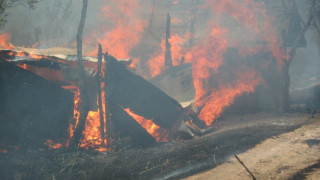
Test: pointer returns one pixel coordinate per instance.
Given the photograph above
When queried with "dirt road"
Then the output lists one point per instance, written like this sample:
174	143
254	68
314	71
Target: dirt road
293	155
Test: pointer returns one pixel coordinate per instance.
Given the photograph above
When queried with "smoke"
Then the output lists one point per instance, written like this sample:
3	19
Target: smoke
202	32
305	66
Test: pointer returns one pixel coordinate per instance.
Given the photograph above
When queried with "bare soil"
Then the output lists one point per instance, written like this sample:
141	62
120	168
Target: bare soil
273	146
292	155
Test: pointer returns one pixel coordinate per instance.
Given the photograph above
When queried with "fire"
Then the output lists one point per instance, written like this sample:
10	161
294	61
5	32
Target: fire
126	30
76	110
206	58
3	151
208	55
247	13
175	2
154	130
224	96
176	48
91	134
156	62
35	56
26	67
27	55
4	39
53	144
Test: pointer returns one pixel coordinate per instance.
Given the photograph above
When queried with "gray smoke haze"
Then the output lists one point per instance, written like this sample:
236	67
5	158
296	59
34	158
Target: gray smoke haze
54	24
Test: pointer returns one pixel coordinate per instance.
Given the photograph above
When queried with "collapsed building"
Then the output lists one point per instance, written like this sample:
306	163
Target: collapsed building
39	106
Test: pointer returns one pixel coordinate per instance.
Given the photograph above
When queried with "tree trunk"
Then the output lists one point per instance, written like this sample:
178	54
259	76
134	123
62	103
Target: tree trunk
284	69
284	88
84	107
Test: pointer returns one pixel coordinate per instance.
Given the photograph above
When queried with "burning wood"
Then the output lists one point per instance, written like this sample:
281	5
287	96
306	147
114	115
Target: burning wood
145	102
157	117
154	130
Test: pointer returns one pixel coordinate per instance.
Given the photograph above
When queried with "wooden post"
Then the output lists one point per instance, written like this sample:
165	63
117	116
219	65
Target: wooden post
108	86
100	95
84	107
168	55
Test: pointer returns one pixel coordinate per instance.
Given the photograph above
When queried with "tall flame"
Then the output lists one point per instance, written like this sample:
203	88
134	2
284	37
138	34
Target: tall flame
156	62
247	13
222	97
208	55
91	134
4	41
126	29
206	58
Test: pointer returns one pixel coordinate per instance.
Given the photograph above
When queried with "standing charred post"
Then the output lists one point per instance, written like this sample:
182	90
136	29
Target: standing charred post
84	106
109	82
99	94
168	55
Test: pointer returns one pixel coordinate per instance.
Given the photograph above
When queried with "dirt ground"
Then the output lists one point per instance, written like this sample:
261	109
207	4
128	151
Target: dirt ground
273	146
292	155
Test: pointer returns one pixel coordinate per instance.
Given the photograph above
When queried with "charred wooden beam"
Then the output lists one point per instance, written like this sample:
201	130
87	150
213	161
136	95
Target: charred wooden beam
127	131
98	75
128	90
109	76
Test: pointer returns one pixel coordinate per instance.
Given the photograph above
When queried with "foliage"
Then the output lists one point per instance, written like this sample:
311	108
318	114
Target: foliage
6	4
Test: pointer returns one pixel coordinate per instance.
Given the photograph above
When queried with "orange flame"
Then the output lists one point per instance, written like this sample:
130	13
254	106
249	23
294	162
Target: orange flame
215	103
156	62
126	31
4	39
53	144
175	2
91	134
208	55
206	58
247	13
30	55
76	111
3	151
154	130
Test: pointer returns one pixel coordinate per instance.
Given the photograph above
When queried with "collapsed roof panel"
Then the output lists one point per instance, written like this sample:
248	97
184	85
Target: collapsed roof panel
32	109
145	99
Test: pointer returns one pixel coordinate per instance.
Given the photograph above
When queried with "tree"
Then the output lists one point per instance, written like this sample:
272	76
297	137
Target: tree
284	69
84	106
6	4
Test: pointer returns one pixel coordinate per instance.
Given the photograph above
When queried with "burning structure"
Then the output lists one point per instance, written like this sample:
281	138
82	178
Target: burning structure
167	78
158	119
